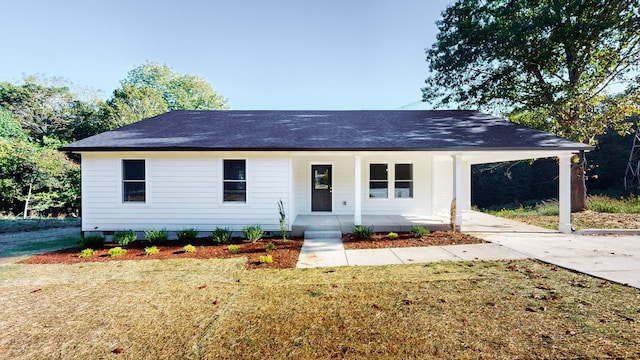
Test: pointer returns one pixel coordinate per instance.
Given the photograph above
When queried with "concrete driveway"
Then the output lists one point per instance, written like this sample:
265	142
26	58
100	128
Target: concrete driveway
611	257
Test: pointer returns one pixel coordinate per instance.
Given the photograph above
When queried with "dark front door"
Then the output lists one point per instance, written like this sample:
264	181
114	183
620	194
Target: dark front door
321	188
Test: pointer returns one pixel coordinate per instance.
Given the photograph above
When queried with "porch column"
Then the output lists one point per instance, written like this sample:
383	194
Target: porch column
564	193
457	191
357	189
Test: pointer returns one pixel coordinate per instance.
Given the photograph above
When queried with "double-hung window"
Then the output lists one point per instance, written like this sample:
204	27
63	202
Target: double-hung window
378	181
404	180
133	181
235	181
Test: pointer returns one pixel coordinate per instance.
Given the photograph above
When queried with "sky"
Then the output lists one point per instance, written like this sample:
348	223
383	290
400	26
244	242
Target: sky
260	54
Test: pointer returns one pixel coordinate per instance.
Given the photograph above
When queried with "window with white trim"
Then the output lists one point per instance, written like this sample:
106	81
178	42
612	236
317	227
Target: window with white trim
378	181
133	181
404	181
234	181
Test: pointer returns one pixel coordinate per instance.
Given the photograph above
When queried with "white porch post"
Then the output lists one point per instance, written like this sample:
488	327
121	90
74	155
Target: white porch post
457	190
357	189
564	193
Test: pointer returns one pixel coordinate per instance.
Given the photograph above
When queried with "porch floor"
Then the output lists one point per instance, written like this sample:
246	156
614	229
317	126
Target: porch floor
380	223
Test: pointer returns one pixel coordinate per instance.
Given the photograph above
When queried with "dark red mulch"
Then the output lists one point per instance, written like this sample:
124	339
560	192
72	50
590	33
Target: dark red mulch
437	238
285	255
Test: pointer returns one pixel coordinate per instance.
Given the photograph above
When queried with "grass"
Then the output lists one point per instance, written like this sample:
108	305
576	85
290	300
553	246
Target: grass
192	308
19	248
10	224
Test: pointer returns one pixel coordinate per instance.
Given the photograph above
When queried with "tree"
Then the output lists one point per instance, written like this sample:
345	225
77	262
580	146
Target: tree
151	89
549	64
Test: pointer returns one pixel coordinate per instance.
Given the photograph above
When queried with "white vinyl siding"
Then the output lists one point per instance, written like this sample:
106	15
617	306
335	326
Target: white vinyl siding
183	190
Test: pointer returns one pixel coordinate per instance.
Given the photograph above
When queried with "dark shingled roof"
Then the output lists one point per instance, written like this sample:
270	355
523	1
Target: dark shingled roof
323	131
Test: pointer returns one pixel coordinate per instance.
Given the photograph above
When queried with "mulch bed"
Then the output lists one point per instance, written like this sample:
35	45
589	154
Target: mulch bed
380	240
285	254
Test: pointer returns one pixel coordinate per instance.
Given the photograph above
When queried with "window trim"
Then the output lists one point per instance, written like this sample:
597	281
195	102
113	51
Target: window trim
223	181
395	181
391	180
379	181
123	181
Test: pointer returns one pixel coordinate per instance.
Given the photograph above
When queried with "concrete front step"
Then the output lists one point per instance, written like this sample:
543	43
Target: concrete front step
318	234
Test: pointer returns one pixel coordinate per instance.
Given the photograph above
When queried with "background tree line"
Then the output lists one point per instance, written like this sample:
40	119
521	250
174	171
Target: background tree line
39	115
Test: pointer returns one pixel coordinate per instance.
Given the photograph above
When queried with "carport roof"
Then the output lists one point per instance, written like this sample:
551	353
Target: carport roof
366	130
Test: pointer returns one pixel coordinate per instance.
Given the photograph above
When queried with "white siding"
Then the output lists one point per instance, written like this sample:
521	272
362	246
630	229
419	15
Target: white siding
182	190
442	184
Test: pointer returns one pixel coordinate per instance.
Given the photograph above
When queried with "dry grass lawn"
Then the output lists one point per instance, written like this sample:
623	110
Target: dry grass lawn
215	309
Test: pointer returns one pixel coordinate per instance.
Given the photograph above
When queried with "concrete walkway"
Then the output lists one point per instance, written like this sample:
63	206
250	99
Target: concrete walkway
612	257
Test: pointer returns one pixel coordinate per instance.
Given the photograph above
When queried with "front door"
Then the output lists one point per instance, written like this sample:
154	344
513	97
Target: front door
321	188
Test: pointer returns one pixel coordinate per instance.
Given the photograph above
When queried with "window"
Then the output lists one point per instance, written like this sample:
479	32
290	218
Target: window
378	184
133	181
404	181
235	181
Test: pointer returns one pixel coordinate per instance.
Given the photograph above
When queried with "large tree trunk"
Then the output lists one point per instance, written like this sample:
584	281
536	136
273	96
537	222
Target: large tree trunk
578	186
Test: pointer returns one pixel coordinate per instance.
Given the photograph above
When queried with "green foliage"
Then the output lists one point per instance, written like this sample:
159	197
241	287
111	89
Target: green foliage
253	233
187	234
270	246
10	128
544	208
151	250
234	249
392	236
93	241
419	231
116	251
86	253
221	235
124	238
282	218
266	259
156	237
189	248
362	231
604	204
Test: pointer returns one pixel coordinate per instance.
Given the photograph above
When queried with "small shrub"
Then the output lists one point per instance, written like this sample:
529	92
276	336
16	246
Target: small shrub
221	235
86	253
124	238
362	231
234	249
156	237
266	259
270	246
392	236
116	251
187	234
93	241
283	220
189	248
253	233
152	250
419	231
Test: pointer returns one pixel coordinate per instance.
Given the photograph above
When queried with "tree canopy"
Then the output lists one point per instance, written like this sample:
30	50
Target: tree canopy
550	64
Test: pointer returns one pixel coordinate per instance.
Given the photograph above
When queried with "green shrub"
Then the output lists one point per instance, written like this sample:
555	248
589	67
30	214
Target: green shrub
253	233
116	251
156	237
234	249
362	231
221	235
124	238
419	231
392	236
189	248
93	241
187	234
270	246
86	253
152	250
266	259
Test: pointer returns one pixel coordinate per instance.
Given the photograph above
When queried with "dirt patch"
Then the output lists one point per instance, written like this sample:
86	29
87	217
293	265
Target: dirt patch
285	254
584	220
381	241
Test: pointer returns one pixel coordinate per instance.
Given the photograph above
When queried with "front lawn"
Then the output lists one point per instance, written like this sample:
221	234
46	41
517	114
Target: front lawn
193	308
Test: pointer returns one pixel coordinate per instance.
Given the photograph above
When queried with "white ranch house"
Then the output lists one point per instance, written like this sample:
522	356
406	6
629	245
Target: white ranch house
209	169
